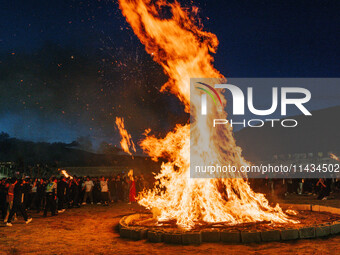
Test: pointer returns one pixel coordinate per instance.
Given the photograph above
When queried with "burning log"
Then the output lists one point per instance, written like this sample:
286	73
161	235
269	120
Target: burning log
168	222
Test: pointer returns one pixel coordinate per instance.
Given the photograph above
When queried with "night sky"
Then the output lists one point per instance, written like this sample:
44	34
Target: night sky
68	68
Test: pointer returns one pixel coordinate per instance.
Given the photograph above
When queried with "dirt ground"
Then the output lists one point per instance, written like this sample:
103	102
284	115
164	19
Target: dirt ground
92	229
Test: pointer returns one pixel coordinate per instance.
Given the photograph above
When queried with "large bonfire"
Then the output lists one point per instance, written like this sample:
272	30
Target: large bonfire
184	50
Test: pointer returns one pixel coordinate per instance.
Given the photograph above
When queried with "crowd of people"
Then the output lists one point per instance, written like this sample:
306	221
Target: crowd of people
320	188
55	195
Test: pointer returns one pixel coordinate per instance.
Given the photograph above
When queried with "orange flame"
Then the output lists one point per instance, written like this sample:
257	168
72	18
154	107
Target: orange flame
184	51
126	143
63	172
333	156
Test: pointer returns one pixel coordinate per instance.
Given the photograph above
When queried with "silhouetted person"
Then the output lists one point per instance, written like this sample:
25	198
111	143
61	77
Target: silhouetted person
17	203
74	189
323	189
40	194
61	192
3	198
51	197
119	188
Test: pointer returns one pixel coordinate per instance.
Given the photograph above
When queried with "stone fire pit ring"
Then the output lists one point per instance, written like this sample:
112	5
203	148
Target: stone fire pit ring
233	237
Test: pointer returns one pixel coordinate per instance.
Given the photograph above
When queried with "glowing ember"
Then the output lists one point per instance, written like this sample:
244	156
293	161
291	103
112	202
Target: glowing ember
333	156
183	50
126	141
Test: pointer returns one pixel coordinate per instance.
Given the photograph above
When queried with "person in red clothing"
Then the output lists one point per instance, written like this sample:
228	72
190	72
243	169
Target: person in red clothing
9	198
132	187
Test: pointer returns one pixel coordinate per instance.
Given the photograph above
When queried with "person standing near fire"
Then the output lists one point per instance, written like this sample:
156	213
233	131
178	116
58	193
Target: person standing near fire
3	198
322	189
51	197
88	186
119	189
40	194
74	189
18	203
104	189
9	198
61	188
132	187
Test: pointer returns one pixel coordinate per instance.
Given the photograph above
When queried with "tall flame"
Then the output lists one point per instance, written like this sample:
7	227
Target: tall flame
126	143
184	51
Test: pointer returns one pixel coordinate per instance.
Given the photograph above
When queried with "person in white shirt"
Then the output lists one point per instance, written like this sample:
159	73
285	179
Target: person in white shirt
88	186
104	191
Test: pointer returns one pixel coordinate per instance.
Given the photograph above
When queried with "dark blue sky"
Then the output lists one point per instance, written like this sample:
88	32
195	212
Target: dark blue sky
67	68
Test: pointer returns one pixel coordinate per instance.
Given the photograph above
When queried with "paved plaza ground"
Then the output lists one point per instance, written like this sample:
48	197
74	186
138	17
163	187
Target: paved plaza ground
92	229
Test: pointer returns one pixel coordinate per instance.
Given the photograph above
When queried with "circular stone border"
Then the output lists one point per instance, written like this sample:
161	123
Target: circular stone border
228	236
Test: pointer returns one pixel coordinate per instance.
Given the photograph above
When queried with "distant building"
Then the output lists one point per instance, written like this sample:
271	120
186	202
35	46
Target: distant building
6	169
